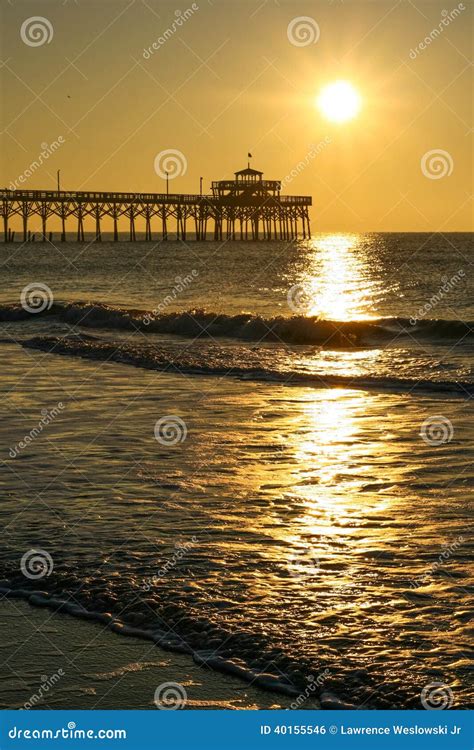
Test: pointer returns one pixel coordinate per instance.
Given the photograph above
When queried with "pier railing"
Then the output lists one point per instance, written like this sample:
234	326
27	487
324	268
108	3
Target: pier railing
166	198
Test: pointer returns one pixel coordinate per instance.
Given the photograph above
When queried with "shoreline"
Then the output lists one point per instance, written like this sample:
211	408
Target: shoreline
80	665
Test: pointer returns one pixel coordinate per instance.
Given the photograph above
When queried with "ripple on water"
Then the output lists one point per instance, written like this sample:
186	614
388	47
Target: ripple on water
194	548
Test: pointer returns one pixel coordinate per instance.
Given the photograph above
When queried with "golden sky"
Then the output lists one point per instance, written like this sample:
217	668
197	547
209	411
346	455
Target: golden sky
228	79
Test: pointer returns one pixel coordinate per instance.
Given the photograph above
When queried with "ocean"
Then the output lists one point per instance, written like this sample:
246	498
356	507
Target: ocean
259	455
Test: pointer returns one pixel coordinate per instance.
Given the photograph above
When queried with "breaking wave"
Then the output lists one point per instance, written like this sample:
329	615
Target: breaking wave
297	329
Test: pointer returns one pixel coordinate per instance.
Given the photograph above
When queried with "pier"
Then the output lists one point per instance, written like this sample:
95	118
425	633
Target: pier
246	208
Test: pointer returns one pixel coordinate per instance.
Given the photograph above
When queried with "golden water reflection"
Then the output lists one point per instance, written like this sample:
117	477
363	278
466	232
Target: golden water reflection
337	275
339	450
336	469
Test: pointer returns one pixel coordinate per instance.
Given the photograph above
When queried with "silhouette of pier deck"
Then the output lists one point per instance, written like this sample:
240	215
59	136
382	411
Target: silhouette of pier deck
247	208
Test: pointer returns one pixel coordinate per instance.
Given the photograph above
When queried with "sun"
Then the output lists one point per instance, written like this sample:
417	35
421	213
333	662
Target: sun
339	101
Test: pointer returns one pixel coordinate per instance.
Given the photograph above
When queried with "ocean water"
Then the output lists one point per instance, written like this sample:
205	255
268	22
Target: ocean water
257	454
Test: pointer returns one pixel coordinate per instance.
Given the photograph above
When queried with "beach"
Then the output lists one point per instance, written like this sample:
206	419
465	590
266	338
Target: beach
86	666
272	497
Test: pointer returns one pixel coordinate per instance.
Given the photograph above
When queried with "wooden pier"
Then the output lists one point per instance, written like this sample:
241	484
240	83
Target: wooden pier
247	208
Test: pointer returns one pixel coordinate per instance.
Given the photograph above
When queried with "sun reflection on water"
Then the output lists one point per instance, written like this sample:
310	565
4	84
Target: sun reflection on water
324	454
335	469
337	276
329	424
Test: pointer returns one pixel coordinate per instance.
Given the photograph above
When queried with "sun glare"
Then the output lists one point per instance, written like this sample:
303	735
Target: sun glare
339	101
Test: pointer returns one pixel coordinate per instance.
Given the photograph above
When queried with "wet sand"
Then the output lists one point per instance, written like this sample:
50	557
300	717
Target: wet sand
72	664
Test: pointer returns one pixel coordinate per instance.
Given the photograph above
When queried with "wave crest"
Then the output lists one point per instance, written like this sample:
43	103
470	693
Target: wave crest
296	329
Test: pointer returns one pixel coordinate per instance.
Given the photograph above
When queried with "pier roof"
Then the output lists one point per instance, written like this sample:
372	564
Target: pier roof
248	171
